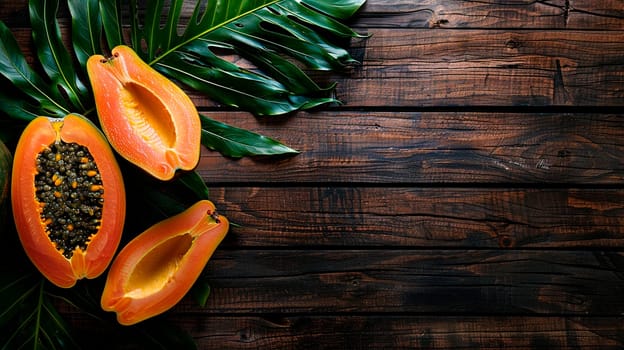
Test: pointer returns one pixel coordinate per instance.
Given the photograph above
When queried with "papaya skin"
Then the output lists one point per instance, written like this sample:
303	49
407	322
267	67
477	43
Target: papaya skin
158	267
148	119
39	134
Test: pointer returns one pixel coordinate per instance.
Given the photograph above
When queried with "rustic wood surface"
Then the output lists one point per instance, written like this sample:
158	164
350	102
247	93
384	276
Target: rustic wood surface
466	194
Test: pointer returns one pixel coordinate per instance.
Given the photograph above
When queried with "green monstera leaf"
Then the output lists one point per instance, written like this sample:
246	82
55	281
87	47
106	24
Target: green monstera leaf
190	44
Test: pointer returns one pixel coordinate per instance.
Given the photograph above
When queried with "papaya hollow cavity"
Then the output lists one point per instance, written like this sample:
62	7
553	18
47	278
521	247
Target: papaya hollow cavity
149	117
158	266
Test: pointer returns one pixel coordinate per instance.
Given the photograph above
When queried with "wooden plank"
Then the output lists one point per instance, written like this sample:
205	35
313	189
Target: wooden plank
429	147
381	332
474	68
492	282
527	14
413	68
313	217
405	332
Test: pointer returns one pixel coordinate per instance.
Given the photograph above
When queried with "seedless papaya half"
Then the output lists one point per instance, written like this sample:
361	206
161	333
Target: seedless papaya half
158	267
147	118
68	198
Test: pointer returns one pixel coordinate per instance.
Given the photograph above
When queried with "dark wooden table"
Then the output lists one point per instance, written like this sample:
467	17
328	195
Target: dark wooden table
468	194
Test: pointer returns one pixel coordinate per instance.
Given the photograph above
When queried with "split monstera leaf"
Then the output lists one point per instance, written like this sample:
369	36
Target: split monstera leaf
186	42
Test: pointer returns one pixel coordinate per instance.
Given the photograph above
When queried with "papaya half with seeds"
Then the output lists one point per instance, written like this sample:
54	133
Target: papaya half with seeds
148	119
158	267
68	198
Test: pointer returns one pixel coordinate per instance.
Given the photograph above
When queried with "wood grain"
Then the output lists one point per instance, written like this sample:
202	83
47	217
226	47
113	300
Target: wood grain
405	332
429	14
429	147
483	282
525	14
385	332
402	68
384	217
412	68
408	68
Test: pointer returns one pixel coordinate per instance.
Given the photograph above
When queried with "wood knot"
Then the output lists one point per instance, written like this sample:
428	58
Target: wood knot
512	44
438	23
564	153
506	241
246	335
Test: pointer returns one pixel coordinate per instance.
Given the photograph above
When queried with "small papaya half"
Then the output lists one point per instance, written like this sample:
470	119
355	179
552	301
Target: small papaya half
68	198
158	267
147	118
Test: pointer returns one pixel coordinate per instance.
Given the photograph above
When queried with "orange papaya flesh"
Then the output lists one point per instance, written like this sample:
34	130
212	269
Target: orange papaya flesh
148	119
68	198
157	268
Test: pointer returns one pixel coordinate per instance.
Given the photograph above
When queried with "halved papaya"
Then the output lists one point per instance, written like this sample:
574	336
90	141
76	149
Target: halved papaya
157	268
68	198
147	118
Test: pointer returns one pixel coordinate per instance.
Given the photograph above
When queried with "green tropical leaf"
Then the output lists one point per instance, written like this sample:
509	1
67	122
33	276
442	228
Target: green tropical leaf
272	35
235	142
285	28
86	29
193	181
110	12
38	95
234	86
162	40
53	56
15	289
18	108
28	317
201	291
